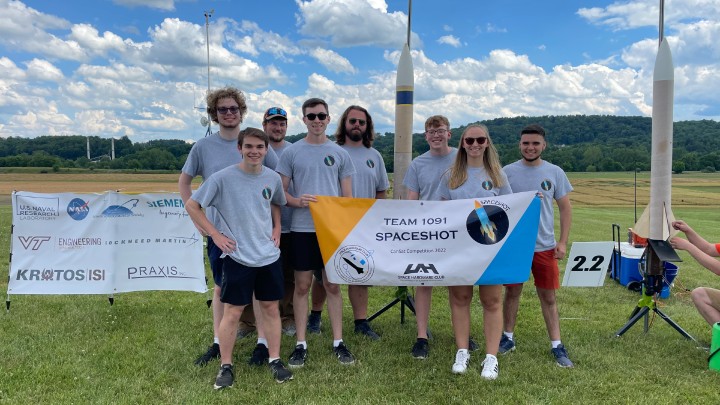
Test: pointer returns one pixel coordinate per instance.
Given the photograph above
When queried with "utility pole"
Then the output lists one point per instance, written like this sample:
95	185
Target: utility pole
208	14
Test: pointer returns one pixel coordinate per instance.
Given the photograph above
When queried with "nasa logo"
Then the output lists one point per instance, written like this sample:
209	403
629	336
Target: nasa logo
266	193
78	209
329	160
370	163
546	185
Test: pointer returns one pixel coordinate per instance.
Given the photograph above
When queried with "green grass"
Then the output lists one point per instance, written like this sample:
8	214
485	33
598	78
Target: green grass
79	349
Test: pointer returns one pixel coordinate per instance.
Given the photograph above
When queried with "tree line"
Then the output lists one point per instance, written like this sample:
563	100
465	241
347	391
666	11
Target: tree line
579	143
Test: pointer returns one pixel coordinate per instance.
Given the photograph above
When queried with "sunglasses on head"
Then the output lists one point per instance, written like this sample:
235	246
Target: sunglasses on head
276	111
480	140
352	121
311	116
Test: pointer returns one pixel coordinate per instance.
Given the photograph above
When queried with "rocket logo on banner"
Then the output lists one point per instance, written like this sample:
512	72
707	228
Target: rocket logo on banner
480	241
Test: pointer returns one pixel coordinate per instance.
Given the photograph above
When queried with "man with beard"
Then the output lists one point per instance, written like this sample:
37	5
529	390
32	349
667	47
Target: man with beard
213	153
355	133
531	173
315	166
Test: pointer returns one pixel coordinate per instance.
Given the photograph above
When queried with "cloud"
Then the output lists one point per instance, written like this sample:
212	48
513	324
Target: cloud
167	5
332	60
354	23
450	40
43	70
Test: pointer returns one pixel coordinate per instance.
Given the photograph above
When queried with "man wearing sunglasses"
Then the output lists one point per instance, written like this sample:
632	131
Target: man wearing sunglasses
213	153
531	173
315	166
355	134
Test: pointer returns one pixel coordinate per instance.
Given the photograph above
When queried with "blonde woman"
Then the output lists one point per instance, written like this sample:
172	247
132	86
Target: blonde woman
476	173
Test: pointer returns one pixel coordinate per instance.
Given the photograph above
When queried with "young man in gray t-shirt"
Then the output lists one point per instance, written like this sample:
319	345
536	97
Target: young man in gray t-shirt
315	166
422	180
531	173
226	107
247	198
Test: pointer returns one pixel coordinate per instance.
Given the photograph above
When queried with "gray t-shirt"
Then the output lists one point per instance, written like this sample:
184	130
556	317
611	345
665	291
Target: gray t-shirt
478	184
314	169
286	211
424	174
214	153
370	174
242	201
552	182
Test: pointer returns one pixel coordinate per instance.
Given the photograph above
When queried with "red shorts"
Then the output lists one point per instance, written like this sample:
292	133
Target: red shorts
545	270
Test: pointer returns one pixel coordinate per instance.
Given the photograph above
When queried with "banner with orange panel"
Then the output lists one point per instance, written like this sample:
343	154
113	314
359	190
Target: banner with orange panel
479	241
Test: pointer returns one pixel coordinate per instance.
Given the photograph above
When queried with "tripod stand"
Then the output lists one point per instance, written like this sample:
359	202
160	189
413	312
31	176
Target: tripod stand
646	304
402	297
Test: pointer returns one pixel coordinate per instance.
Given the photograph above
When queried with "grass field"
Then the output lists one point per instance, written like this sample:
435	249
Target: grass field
79	349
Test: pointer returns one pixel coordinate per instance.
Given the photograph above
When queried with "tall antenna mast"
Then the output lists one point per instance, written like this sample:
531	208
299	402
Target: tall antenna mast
661	25
409	20
208	14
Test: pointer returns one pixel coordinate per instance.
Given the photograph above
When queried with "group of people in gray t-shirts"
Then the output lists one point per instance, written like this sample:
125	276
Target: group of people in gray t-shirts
266	254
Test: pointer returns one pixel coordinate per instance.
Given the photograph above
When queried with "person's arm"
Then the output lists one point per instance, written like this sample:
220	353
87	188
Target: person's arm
275	211
565	209
346	187
695	238
412	195
185	187
703	258
196	213
380	195
291	201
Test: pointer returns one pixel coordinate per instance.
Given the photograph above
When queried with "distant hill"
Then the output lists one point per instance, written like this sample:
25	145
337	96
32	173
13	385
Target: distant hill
576	143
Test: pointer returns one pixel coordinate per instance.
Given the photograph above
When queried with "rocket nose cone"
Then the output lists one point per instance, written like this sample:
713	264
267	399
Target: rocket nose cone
664	69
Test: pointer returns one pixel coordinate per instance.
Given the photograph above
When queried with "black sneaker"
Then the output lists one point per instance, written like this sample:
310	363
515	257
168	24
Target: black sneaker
473	345
279	372
313	323
364	328
421	349
343	354
298	357
225	377
260	355
213	352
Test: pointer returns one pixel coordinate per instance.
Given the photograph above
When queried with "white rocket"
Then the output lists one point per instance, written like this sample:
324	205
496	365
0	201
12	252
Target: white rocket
654	223
662	144
404	88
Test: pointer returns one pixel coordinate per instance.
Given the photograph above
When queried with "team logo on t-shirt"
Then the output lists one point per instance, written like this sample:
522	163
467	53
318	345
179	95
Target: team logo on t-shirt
487	185
370	163
546	185
267	193
329	160
487	224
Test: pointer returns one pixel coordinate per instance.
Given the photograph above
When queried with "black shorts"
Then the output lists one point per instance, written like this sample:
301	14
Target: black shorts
216	263
306	254
240	282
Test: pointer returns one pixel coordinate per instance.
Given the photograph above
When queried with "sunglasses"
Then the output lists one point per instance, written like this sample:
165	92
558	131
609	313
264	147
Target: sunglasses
480	140
225	110
352	121
311	116
276	111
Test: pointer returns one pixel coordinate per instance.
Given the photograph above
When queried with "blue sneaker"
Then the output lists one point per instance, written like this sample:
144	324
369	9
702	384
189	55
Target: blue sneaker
561	357
506	345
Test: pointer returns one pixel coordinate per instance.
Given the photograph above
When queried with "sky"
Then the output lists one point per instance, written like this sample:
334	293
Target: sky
139	68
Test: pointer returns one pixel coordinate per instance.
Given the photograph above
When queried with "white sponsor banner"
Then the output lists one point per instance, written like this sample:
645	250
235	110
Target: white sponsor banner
480	241
103	243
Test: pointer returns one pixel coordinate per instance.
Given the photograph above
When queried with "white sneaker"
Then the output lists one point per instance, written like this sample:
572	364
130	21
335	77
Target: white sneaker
462	358
490	369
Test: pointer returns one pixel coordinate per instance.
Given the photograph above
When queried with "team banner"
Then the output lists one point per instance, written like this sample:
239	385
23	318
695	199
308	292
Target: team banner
481	241
103	243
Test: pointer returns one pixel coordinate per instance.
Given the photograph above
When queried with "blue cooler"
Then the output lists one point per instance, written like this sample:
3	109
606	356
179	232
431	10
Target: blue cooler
671	271
627	269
